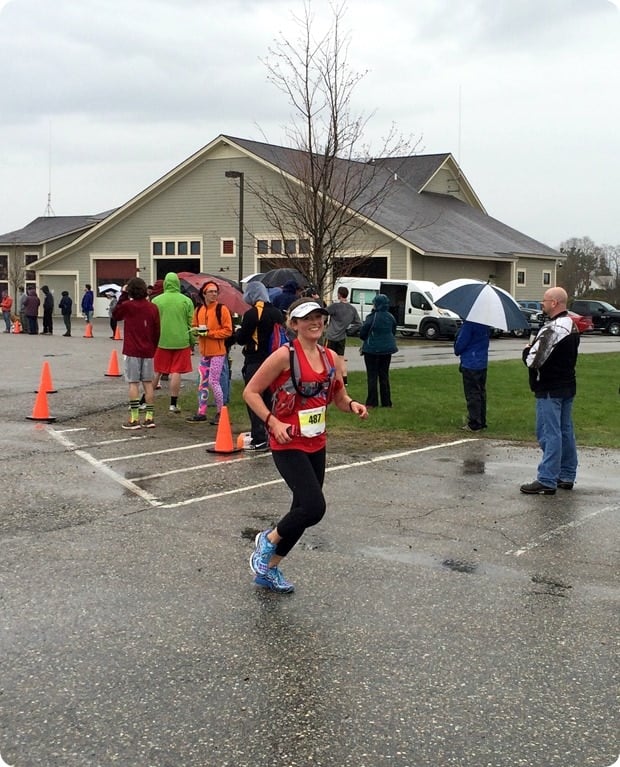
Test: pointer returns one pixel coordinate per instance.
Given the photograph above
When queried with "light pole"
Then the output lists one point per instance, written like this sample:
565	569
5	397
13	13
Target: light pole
238	174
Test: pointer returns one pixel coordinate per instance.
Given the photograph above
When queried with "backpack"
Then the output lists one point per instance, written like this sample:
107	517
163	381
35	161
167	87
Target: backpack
285	396
277	337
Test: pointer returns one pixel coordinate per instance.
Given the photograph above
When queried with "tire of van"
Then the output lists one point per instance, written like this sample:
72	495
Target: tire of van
430	331
407	333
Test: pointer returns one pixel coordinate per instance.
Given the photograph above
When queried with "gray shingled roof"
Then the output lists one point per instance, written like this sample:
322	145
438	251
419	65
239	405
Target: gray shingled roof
46	228
433	223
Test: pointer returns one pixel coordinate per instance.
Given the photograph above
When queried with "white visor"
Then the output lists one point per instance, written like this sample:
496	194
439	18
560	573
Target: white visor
303	310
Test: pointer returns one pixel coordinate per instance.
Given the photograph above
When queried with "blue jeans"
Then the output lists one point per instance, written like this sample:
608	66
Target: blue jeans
556	437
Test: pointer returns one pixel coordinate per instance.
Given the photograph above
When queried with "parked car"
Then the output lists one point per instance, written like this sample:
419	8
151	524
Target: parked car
584	324
535	319
605	317
531	305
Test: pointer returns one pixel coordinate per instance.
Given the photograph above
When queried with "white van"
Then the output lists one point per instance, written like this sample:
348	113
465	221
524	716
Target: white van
411	303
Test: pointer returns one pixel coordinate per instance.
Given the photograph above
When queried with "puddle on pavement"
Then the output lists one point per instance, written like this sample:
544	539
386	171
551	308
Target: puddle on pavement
473	466
459	565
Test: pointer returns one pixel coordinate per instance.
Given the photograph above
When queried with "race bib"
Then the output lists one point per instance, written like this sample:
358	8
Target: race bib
312	421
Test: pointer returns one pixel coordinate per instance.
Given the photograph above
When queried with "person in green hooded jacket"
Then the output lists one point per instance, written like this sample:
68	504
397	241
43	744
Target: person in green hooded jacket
174	350
378	334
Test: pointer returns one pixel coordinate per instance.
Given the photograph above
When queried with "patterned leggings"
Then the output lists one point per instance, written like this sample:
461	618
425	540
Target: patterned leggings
209	374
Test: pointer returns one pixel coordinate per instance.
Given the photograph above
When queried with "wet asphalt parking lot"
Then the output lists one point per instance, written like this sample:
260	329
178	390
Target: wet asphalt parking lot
440	618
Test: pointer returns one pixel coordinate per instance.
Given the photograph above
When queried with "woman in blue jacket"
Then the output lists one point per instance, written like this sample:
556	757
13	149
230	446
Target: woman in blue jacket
379	336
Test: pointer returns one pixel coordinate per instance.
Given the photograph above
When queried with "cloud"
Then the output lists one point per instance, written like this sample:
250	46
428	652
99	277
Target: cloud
121	92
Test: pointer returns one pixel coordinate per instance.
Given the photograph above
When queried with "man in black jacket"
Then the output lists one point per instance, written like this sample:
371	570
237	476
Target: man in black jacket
551	360
254	335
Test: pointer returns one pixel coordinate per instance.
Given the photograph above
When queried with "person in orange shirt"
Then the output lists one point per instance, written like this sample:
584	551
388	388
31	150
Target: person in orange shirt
212	325
5	305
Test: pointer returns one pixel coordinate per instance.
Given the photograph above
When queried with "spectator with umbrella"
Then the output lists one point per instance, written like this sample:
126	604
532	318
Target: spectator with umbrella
290	292
255	334
472	346
482	307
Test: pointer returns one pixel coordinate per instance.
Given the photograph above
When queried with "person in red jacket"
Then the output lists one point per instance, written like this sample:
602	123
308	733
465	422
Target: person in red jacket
5	305
141	337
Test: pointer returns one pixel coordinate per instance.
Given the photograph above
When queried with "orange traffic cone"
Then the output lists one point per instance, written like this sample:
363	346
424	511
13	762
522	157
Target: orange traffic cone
88	333
46	380
17	327
113	370
223	438
117	334
40	411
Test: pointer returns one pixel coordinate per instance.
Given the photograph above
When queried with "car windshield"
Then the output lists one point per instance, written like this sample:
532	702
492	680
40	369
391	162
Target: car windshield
608	307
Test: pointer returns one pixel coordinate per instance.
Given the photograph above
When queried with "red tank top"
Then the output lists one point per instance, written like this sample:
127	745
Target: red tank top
305	412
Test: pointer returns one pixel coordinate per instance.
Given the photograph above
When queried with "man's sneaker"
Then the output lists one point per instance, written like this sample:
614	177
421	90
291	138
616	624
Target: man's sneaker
174	409
565	484
149	424
264	550
197	417
215	420
260	447
132	425
537	488
274	579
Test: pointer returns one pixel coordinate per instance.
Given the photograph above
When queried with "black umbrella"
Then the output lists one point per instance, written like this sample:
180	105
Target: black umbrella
277	277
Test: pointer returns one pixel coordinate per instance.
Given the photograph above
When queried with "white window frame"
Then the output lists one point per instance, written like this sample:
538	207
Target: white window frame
524	273
549	274
234	242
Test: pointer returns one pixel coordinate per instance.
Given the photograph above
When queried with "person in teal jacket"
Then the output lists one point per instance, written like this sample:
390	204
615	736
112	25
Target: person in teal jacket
379	336
174	350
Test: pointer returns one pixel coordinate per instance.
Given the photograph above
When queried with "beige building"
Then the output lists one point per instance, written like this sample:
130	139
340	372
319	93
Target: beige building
430	227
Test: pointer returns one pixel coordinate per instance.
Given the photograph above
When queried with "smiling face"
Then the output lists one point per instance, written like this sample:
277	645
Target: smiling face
311	326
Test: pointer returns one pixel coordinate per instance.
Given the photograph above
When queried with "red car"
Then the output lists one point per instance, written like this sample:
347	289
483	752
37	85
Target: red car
584	324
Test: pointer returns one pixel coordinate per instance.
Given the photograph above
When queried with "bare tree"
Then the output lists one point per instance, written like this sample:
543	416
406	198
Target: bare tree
582	259
329	186
16	270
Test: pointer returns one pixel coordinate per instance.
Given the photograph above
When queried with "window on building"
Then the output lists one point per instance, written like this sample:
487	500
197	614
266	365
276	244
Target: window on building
546	279
227	247
4	267
289	247
521	277
181	247
30	258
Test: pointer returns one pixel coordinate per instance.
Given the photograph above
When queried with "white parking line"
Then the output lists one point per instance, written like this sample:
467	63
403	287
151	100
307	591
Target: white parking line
158	452
148	497
212	465
377	459
542	539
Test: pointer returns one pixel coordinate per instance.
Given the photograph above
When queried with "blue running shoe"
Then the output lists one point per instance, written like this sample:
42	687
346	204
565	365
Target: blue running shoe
259	561
274	580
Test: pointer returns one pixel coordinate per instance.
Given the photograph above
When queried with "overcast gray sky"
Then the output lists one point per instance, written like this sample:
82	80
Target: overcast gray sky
106	96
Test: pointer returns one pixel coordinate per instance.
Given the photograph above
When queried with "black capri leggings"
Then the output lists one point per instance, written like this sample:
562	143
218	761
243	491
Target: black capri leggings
304	474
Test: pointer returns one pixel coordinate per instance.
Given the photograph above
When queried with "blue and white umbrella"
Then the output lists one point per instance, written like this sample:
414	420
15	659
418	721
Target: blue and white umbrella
481	302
